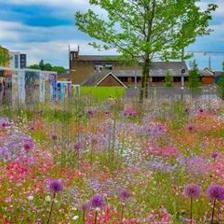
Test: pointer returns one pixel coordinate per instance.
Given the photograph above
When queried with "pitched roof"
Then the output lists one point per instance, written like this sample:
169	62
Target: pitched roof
206	72
158	69
97	78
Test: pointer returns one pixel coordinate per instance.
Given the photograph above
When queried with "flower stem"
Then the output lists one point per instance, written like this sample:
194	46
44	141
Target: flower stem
122	213
51	209
191	210
213	211
96	214
84	217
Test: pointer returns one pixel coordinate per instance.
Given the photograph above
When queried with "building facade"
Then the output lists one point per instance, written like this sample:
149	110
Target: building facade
18	60
85	69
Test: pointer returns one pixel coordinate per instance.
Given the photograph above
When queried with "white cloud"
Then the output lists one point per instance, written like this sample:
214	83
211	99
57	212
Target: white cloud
55	52
44	43
65	3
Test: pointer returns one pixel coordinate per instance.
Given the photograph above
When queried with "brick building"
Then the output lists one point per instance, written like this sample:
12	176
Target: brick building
109	71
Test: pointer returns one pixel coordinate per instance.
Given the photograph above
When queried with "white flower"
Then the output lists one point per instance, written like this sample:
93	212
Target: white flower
48	198
30	197
76	217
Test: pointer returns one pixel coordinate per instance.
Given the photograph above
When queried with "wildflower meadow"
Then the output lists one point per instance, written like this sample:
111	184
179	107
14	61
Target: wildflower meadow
112	162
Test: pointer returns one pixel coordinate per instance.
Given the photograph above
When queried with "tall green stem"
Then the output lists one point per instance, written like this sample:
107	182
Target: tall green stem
51	209
96	214
213	211
191	210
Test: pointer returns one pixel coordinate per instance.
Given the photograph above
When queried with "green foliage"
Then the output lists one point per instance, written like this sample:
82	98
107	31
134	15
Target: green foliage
168	79
103	93
194	77
221	83
4	56
142	30
48	67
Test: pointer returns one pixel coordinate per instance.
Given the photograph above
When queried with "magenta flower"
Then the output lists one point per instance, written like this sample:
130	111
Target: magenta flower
97	201
55	185
190	128
4	123
192	190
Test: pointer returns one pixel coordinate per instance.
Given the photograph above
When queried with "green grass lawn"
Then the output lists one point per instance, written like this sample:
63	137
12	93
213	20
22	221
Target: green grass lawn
102	93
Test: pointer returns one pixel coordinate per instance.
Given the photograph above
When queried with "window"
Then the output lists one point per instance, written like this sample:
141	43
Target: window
123	79
139	79
109	67
99	68
16	61
177	79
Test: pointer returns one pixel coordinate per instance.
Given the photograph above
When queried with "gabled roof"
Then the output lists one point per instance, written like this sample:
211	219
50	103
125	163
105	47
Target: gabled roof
97	78
206	72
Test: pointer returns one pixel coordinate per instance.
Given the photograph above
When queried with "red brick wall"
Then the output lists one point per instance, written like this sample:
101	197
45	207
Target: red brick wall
207	80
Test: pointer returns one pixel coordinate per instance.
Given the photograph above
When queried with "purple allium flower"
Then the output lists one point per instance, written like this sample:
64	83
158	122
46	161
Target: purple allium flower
215	191
28	144
124	195
77	146
55	185
192	190
97	201
215	155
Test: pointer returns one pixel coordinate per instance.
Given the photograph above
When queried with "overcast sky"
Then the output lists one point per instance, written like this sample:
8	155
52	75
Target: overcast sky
44	28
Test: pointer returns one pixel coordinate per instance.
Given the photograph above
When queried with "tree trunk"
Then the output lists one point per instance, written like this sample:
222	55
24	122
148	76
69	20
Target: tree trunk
145	79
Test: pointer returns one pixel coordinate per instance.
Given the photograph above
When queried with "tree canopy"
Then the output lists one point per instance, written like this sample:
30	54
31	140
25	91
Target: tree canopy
48	67
4	56
146	30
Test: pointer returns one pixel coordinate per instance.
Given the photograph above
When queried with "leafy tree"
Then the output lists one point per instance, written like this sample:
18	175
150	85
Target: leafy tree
48	67
168	79
41	65
194	76
4	56
35	66
221	83
58	69
143	30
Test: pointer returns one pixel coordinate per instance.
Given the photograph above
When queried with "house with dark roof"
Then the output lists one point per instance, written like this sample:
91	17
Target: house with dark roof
207	77
96	70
